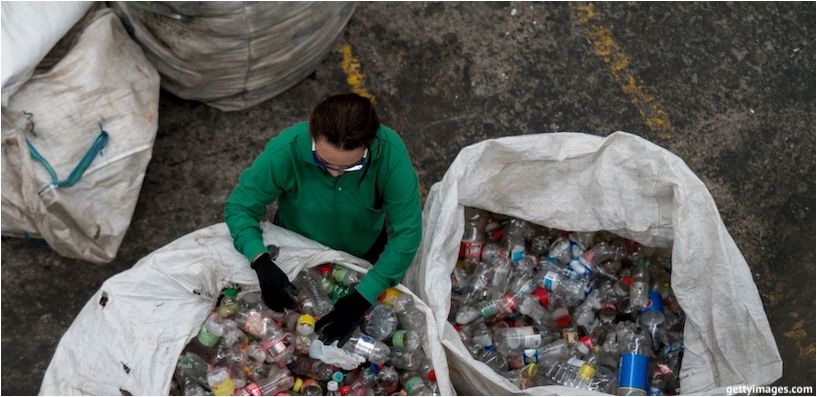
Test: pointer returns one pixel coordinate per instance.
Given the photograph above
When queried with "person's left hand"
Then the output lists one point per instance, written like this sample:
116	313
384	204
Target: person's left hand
339	324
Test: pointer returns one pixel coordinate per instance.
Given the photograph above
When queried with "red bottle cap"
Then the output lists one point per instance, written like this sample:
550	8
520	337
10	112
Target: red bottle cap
345	390
627	280
564	321
564	233
325	269
587	341
432	376
457	327
542	296
497	234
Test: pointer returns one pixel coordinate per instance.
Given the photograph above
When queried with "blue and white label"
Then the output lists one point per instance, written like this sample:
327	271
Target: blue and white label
530	356
633	373
655	303
551	279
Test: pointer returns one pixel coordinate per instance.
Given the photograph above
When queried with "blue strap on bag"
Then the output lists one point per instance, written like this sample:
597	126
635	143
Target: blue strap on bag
76	174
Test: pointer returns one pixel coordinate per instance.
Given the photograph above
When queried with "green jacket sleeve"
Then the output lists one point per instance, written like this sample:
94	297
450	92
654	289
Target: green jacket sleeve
258	186
401	201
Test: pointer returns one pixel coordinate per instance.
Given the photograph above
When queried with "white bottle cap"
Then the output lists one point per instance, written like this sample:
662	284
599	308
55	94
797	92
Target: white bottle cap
332	386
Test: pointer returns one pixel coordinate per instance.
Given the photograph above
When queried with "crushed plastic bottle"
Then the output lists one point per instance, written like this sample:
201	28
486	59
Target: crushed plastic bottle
379	322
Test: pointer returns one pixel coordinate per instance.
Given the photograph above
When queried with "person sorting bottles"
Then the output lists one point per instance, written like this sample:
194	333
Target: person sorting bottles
344	180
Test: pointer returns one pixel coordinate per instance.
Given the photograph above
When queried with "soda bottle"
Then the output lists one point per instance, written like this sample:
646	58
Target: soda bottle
367	347
641	284
516	338
634	362
257	321
311	387
310	367
326	279
278	381
379	322
473	237
206	342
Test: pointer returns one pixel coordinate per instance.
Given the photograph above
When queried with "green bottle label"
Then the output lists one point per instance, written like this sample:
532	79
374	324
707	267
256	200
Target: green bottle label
398	339
206	338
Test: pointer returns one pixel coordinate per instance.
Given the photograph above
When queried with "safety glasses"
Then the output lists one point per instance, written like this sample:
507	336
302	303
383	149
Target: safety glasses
354	167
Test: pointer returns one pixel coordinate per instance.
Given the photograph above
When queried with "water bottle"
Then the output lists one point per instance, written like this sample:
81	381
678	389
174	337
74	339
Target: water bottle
572	290
220	381
373	350
256	321
406	360
480	280
559	251
641	284
305	299
379	322
346	276
502	271
493	253
516	338
310	367
534	306
473	237
409	339
310	280
498	308
634	362
493	360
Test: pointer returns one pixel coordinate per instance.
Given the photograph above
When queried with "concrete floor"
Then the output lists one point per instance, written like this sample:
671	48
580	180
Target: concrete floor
736	82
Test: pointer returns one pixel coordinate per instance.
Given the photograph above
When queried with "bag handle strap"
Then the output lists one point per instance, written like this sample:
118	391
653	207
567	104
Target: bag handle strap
95	150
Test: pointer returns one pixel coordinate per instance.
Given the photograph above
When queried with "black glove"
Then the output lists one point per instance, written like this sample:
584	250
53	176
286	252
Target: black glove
342	320
276	289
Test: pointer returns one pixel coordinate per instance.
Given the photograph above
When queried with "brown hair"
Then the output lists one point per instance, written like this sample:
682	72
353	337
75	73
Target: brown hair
348	121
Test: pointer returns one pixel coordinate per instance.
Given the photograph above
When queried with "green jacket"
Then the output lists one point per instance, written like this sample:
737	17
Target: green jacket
346	213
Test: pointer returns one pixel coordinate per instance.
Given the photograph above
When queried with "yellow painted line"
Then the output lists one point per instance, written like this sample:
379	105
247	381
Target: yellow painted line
606	47
354	75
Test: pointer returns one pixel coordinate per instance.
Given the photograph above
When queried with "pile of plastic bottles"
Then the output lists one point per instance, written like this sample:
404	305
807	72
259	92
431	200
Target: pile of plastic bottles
588	310
244	348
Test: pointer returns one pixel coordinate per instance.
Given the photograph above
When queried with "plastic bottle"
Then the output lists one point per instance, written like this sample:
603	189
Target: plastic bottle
406	360
344	275
572	290
371	349
305	331
559	252
312	368
326	280
258	322
339	291
379	322
311	387
220	381
193	367
409	339
517	338
634	362
480	280
473	237
493	360
415	385
229	304
641	284
278	381
488	310
206	342
310	280
535	306
501	275
387	381
192	388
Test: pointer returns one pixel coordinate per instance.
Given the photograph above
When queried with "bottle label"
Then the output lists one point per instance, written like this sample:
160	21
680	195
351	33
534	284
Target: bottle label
398	339
253	390
655	303
365	346
471	250
530	356
207	338
517	253
633	373
575	362
413	383
551	279
527	338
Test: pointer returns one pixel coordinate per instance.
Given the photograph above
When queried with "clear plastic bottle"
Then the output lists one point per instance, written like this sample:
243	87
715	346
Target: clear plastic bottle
414	384
277	382
339	291
311	281
495	308
344	275
387	381
493	360
493	253
473	237
193	367
229	304
531	306
406	360
634	362
571	290
379	322
220	381
480	280
257	321
539	244
326	279
305	331
559	252
406	339
501	275
513	339
641	283
369	348
311	387
306	366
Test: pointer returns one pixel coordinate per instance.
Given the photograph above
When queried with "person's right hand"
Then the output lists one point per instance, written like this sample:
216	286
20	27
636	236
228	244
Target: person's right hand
276	289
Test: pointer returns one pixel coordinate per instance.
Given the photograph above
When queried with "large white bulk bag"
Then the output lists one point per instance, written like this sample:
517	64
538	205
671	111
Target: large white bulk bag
30	29
131	343
76	142
233	55
623	184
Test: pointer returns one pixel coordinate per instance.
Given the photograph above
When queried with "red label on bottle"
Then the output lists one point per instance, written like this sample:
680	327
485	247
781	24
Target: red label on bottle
471	250
253	390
